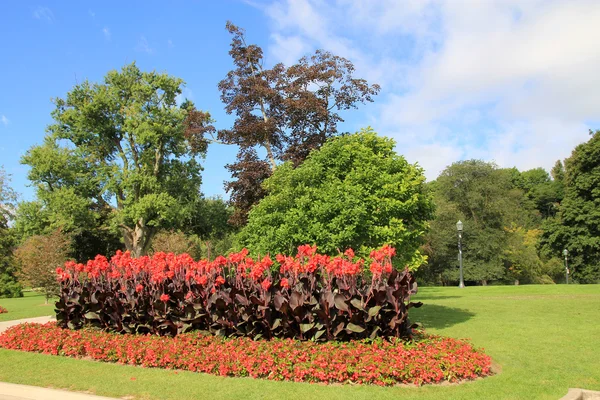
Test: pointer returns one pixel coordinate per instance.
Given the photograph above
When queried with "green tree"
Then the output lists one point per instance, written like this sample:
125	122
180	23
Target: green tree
485	199
441	242
545	193
128	159
9	287
209	222
66	200
521	258
355	191
577	225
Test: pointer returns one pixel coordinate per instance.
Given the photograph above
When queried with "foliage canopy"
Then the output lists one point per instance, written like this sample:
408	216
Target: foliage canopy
118	151
353	192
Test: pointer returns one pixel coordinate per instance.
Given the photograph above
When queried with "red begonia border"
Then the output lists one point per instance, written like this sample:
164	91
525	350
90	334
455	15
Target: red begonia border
430	359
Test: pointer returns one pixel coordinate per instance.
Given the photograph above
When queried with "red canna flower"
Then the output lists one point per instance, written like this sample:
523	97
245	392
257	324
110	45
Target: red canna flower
219	281
164	297
285	283
349	253
266	284
203	280
139	288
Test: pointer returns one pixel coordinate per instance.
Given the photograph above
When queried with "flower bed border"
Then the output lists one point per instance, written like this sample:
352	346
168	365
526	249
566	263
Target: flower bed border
431	359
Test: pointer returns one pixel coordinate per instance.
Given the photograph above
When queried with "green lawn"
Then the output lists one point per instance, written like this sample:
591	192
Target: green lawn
545	339
29	306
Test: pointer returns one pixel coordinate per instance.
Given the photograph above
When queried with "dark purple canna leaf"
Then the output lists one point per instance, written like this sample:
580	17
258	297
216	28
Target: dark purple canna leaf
296	300
340	302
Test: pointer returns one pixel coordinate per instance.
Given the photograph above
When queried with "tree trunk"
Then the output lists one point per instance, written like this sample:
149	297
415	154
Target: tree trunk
138	239
270	155
516	282
484	282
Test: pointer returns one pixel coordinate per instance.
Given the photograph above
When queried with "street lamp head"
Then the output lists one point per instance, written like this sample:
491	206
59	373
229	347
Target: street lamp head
459	226
565	252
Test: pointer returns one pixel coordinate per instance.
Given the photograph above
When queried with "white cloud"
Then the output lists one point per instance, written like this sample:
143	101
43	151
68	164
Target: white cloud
92	13
186	94
288	49
143	46
43	13
504	80
5	121
106	33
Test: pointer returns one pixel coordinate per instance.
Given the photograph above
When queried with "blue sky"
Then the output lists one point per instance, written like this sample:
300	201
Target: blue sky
502	80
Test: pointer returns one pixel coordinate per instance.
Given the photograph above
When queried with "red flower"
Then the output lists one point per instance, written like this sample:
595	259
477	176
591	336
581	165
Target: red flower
164	297
203	280
349	253
285	283
219	281
267	262
139	288
386	363
266	284
376	268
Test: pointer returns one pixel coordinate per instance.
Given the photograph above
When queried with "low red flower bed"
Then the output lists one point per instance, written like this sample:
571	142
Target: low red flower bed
3	310
431	359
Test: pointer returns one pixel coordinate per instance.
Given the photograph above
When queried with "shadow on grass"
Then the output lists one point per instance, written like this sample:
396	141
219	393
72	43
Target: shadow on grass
423	297
439	317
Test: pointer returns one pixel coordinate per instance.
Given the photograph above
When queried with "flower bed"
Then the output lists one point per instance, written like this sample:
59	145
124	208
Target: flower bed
308	296
3	310
431	359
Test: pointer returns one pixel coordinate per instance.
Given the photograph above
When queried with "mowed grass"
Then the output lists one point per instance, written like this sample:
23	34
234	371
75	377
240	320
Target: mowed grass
545	339
29	306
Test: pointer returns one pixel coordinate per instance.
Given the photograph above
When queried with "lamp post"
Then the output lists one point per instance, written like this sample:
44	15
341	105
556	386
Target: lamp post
459	228
566	253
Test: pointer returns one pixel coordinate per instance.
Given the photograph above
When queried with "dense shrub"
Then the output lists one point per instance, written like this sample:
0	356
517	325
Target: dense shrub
309	296
430	360
355	191
3	310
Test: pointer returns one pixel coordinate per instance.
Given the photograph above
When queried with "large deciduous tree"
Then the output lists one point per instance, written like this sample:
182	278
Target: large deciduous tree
485	199
577	225
120	151
9	287
545	193
355	191
284	111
